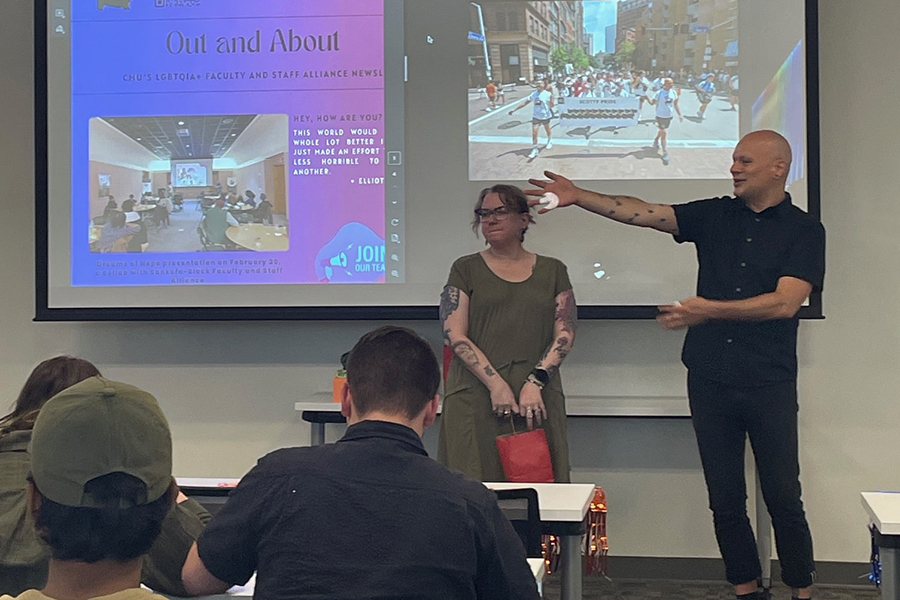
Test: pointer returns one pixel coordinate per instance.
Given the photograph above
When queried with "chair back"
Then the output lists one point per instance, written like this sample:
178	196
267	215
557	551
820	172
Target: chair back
263	212
205	240
121	244
160	214
521	507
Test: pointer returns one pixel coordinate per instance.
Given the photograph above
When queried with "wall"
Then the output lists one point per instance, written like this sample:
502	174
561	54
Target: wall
228	388
265	136
273	190
160	180
123	182
252	177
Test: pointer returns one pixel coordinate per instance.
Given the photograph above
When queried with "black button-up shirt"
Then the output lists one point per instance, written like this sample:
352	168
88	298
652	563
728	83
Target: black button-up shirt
742	254
371	516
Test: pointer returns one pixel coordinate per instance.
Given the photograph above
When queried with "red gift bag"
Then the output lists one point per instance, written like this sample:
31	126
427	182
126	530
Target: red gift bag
525	457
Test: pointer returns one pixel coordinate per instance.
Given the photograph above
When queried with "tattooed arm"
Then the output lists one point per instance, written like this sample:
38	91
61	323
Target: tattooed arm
564	325
531	402
454	313
624	209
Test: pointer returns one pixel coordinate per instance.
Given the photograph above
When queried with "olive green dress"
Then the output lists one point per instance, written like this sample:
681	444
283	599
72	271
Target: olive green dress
512	323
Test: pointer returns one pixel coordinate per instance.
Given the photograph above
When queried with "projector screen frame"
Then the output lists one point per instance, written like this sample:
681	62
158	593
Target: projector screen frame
45	313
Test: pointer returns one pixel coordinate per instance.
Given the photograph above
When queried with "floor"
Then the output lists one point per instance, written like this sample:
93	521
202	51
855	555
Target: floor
664	589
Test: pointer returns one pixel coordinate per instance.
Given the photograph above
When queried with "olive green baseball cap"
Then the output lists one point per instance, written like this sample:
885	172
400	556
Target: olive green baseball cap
98	427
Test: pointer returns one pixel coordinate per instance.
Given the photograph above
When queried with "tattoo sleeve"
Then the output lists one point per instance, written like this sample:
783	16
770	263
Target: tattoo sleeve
449	301
466	353
564	328
567	313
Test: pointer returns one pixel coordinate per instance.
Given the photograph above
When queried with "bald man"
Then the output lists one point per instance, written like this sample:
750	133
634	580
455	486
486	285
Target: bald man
760	258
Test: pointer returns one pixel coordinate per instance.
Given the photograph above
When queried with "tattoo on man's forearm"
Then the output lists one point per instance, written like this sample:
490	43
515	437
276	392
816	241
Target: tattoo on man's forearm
552	370
562	348
489	371
465	352
447	337
449	301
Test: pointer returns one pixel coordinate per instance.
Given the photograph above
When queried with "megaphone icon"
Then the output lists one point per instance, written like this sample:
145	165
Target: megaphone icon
338	260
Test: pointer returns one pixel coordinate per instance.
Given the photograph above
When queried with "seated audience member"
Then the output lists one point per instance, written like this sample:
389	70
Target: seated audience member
139	240
100	488
114	232
23	560
263	211
250	198
217	221
128	205
110	207
371	516
164	208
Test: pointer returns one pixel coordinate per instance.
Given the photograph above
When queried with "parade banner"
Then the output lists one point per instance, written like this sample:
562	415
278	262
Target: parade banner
598	112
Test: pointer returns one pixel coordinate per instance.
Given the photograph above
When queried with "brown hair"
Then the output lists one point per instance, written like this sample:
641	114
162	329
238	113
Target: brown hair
512	197
46	380
392	370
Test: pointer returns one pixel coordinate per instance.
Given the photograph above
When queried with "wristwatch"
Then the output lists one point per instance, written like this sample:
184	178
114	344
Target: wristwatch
540	377
532	379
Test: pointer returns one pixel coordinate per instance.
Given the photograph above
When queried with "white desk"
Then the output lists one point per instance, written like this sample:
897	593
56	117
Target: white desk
884	511
320	410
563	509
539	570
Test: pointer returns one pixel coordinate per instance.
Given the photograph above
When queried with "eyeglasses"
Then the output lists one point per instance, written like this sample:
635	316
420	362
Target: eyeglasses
500	213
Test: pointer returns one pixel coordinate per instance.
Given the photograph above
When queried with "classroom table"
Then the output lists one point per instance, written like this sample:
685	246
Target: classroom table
884	513
539	570
537	565
261	238
563	508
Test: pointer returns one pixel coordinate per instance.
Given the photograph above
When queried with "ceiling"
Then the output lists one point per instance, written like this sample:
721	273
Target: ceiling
176	138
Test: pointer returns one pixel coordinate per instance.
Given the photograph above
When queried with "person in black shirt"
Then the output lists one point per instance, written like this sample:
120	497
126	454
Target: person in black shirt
760	258
371	516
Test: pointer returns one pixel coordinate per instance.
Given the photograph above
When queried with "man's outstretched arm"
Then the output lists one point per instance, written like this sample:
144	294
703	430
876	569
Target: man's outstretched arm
624	209
783	303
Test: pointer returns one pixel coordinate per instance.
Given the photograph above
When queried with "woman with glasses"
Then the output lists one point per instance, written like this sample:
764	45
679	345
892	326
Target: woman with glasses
509	317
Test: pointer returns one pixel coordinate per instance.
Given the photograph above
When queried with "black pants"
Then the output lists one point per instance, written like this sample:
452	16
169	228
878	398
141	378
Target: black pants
723	415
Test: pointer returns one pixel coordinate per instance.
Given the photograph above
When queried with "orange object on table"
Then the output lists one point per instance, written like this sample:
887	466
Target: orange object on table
337	388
